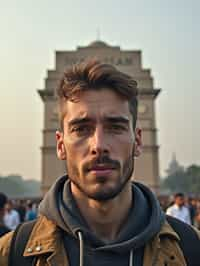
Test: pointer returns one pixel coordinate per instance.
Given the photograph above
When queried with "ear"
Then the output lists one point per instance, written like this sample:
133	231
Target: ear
138	142
61	152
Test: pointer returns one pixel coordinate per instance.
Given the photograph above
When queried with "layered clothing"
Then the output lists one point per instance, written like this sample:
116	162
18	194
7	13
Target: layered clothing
61	236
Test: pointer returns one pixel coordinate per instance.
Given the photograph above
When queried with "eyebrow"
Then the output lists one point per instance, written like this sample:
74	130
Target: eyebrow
77	121
117	119
111	119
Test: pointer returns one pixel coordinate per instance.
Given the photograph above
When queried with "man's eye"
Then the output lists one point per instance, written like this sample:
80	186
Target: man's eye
117	128
81	130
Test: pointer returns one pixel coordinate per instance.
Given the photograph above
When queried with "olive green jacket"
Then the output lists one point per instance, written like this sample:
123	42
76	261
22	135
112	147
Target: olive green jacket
45	242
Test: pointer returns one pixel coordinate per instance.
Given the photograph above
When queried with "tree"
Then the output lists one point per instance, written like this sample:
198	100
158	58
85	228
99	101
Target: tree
193	174
183	180
15	186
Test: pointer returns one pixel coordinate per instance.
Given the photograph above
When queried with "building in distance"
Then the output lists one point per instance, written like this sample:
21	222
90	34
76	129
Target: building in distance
127	61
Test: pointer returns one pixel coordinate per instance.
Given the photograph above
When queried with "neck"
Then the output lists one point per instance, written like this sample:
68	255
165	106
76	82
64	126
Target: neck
106	218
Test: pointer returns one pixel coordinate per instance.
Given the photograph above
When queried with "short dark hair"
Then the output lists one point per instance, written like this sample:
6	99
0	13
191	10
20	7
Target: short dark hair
179	194
3	200
30	204
94	75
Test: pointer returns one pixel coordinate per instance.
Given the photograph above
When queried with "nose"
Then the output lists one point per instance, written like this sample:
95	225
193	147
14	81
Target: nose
98	142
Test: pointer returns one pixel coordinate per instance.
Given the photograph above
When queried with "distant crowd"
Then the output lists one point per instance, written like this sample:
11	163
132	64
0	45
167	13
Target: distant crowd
184	208
14	212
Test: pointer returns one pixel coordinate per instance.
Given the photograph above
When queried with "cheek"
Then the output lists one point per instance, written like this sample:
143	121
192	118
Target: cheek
123	149
75	151
126	143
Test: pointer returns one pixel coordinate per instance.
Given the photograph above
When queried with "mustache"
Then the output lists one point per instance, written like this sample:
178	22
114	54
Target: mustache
102	160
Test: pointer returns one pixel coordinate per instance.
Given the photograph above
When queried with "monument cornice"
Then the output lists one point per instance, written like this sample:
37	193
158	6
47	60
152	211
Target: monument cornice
151	147
49	93
46	94
148	92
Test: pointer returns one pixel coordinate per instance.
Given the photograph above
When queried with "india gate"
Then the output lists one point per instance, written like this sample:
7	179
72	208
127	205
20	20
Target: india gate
128	61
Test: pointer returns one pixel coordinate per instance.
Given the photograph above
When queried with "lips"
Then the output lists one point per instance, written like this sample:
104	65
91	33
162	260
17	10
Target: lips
101	168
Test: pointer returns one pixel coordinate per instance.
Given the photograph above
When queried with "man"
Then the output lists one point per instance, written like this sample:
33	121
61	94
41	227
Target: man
179	210
192	207
3	229
21	209
95	215
11	217
30	213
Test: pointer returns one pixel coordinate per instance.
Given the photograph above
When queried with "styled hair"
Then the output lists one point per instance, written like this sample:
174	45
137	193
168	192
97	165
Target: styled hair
94	75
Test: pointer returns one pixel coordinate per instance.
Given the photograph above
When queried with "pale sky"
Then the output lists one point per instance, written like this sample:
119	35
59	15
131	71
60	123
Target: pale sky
167	33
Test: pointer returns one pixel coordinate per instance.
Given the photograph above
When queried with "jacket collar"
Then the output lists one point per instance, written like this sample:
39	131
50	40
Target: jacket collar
44	238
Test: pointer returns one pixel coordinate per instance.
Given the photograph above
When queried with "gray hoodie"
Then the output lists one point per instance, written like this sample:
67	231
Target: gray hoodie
83	246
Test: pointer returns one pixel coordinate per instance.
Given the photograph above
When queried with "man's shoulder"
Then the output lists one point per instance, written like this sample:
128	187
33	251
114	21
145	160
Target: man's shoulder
171	208
44	231
177	223
189	239
15	212
5	242
182	227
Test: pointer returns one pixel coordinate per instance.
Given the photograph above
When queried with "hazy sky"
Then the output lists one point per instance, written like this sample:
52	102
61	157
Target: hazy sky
167	32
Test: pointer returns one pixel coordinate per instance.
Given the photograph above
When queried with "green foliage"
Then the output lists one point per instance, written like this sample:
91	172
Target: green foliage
184	180
15	186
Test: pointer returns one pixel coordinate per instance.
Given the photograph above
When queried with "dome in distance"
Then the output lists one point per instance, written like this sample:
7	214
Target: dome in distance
98	44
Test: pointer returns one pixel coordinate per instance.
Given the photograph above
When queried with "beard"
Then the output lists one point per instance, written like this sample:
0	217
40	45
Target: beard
102	194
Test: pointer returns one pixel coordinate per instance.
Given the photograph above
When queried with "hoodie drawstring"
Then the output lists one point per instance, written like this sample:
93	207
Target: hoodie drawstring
81	248
131	258
81	251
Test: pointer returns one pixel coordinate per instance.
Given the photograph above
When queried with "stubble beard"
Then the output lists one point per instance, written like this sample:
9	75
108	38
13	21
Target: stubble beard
102	195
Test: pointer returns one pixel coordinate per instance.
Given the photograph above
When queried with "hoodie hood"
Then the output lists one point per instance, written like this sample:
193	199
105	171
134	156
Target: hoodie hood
144	221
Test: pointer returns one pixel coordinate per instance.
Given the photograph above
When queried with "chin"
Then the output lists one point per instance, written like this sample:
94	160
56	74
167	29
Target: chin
102	188
104	194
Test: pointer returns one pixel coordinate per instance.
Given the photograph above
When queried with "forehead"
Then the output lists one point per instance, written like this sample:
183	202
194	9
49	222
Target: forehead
94	104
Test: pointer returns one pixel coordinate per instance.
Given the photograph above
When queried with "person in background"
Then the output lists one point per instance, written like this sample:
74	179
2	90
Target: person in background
3	228
11	217
192	206
179	210
197	220
30	213
20	207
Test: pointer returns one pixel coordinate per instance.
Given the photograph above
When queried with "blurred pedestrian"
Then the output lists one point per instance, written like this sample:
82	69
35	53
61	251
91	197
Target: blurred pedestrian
197	220
3	229
30	213
179	210
192	206
11	217
21	208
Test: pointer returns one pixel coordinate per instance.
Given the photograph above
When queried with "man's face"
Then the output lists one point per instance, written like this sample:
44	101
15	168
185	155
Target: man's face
180	201
97	143
8	206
